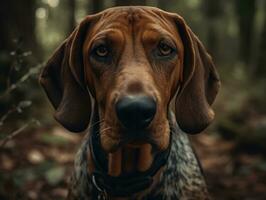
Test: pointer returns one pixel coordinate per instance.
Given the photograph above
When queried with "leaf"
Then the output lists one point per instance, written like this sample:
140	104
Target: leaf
13	86
261	166
36	122
12	53
35	156
19	110
55	175
53	139
27	53
24	104
34	70
22	176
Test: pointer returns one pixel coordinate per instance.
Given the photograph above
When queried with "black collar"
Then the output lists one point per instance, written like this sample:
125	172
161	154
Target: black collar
125	184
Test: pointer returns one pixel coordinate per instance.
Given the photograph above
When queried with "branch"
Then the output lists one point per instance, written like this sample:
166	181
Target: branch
22	79
3	118
16	132
19	108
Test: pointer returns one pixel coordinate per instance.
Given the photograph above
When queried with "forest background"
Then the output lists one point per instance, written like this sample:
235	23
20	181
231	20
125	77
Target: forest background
36	154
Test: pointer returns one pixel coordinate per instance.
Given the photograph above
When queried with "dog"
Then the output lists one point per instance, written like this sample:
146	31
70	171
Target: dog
119	71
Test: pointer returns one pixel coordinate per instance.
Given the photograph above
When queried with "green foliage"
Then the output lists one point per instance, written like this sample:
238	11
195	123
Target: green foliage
55	175
53	139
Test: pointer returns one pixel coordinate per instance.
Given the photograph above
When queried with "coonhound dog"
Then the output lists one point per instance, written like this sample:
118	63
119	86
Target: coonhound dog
136	80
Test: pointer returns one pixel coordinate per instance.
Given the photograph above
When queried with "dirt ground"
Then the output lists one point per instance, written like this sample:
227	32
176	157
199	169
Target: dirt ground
231	174
38	163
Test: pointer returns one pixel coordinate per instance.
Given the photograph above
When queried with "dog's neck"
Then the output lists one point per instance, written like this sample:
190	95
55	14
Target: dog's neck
125	172
174	181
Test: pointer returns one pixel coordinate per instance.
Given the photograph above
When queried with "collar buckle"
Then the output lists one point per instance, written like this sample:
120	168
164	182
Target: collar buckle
102	194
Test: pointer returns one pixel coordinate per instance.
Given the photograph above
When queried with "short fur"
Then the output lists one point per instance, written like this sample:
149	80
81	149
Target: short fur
73	79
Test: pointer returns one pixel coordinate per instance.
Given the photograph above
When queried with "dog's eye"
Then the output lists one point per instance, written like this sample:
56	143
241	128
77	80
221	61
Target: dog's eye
164	49
101	51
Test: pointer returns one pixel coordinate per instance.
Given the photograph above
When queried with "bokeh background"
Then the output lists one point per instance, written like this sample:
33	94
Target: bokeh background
36	154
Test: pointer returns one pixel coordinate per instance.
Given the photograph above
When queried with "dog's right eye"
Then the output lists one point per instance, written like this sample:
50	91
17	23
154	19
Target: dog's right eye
165	49
101	51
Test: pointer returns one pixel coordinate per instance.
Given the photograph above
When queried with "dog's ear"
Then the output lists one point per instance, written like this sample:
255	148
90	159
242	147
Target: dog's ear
63	81
200	83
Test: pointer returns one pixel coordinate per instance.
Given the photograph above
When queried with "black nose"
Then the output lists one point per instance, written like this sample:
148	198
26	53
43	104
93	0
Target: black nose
135	112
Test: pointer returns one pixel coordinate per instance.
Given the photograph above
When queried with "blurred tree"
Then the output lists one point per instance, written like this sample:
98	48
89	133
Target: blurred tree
163	5
245	10
95	6
17	35
129	2
212	10
72	10
261	62
17	21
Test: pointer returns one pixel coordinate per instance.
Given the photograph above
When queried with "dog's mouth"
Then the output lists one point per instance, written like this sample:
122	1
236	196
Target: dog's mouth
136	139
130	158
132	154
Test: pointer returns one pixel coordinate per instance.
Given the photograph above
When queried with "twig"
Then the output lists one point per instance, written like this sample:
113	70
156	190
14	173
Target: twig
21	80
3	118
15	133
18	108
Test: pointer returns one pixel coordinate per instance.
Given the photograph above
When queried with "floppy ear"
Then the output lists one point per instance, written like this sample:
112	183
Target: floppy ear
63	81
199	86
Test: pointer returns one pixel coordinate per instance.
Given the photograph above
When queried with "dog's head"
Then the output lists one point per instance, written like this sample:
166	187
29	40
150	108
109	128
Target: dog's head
133	61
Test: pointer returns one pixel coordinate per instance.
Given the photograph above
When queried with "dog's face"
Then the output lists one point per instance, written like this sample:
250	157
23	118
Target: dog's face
132	60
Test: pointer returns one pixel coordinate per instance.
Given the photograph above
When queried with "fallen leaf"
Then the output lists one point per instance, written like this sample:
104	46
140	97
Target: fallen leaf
35	157
55	175
7	162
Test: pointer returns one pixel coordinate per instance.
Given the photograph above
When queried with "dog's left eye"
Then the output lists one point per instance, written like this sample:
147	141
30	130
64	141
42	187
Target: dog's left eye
165	49
101	51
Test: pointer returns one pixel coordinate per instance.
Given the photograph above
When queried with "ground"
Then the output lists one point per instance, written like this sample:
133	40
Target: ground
37	165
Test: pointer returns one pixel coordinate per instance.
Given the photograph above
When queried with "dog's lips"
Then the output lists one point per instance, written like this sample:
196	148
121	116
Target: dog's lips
111	141
127	159
135	144
112	144
132	151
127	155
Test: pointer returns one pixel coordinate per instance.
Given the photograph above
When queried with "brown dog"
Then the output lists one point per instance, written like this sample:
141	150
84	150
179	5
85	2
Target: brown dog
132	61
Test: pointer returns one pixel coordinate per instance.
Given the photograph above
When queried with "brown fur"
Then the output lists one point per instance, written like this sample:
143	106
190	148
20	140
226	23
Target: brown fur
133	33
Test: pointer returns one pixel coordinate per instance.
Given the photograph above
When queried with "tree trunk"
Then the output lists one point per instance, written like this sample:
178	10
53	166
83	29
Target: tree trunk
72	11
245	10
96	6
130	2
17	21
261	62
165	4
17	35
212	11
